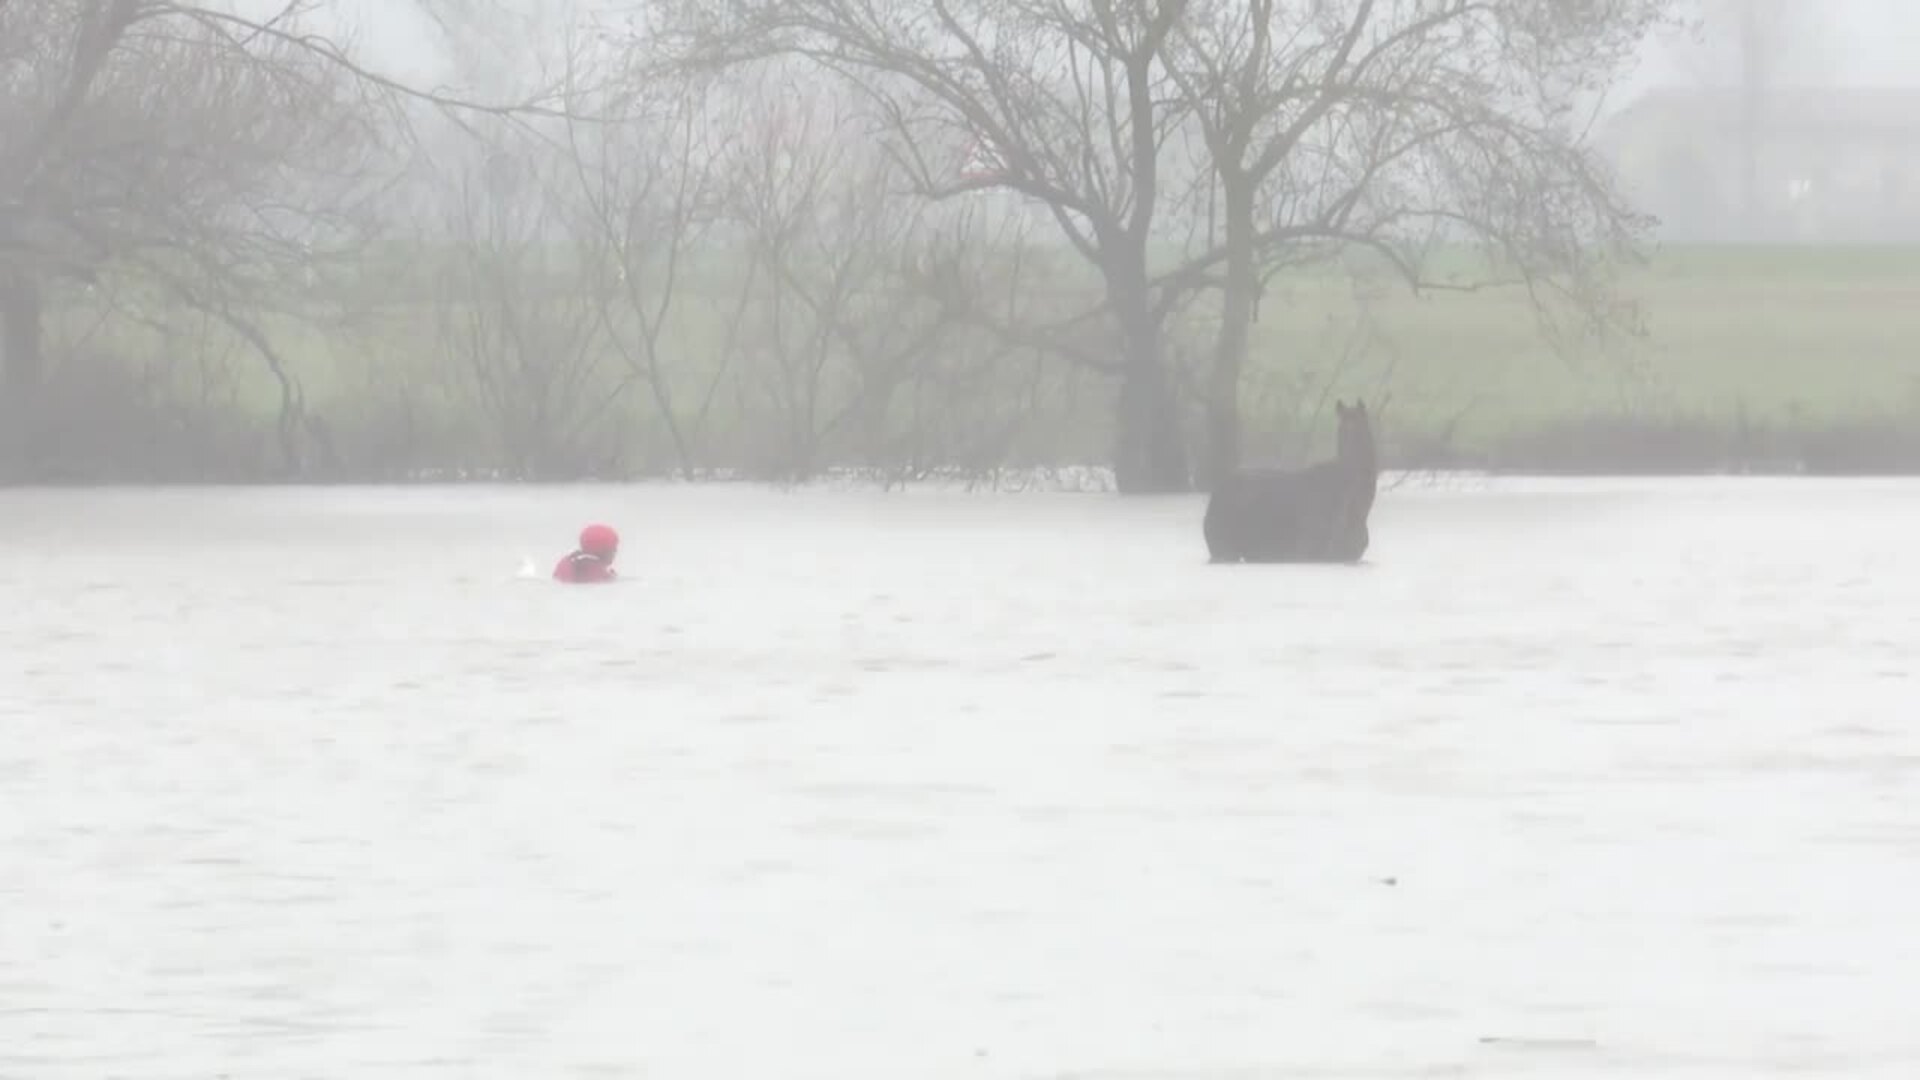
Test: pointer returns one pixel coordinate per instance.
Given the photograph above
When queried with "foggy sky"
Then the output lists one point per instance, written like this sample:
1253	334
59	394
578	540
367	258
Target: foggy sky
1847	42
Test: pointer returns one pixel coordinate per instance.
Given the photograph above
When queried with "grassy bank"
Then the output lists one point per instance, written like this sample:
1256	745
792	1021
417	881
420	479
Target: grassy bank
1800	340
1756	359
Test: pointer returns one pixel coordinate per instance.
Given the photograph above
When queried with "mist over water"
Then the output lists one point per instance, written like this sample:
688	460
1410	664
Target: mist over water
312	782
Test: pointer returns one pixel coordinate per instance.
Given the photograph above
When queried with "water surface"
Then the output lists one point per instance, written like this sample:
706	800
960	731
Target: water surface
1569	779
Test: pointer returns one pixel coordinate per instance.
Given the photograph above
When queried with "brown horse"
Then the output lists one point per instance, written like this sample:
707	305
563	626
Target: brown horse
1315	514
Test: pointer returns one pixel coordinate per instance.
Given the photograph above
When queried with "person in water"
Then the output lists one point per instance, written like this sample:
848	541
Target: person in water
593	561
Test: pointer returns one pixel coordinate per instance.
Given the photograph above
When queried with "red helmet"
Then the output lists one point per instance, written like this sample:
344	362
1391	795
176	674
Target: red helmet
599	540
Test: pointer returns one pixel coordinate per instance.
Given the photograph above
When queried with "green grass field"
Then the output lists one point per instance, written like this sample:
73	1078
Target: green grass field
1790	338
1783	335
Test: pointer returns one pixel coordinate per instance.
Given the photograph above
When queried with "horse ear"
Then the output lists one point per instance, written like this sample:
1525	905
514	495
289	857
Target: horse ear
1340	406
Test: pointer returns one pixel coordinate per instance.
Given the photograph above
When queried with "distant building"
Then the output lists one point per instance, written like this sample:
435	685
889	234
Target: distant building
1831	164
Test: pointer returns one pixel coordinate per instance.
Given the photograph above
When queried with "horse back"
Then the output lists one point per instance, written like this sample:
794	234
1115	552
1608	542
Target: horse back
1269	514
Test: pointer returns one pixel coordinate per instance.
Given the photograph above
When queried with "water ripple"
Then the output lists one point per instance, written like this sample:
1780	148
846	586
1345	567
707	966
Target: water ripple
1030	791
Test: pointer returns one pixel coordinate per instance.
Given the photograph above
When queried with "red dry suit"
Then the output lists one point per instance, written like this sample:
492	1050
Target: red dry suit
593	562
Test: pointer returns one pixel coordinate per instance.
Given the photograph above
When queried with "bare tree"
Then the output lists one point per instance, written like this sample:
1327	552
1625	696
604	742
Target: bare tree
148	142
1392	126
1404	130
994	395
187	152
647	188
837	322
1066	103
516	313
931	385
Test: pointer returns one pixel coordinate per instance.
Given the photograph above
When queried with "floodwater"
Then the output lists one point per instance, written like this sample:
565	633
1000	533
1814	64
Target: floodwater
1568	780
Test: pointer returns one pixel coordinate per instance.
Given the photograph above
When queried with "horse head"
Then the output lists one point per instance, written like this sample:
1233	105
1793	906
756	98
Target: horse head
1354	439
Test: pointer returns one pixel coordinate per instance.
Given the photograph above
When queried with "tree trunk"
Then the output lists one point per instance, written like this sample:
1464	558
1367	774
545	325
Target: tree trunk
1230	348
22	362
1151	457
22	369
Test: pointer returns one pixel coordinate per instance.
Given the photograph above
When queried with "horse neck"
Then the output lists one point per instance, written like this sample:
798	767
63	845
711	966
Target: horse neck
1362	467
